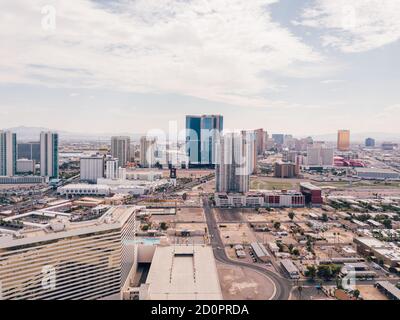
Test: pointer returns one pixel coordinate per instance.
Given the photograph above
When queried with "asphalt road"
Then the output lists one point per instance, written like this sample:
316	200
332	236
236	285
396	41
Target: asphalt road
282	285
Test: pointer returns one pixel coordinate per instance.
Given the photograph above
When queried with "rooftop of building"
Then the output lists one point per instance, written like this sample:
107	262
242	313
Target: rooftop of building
48	223
309	186
84	186
183	272
371	242
389	287
375	170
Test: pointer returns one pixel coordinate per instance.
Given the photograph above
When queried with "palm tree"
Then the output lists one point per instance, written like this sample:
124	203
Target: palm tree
300	288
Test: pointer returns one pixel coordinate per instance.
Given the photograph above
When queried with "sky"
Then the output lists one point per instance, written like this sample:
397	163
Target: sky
298	67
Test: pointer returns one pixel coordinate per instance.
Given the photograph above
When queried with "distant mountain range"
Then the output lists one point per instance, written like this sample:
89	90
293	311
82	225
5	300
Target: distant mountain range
32	134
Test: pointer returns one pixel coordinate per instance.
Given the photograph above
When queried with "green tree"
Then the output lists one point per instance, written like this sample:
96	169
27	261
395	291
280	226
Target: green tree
328	272
163	226
291	215
277	225
387	223
309	245
311	272
356	293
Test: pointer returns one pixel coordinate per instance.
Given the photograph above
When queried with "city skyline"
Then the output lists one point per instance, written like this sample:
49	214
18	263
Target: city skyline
325	65
214	151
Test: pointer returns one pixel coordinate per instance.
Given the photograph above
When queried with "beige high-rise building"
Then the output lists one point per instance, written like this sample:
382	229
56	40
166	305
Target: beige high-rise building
8	153
343	141
147	150
49	155
121	149
234	162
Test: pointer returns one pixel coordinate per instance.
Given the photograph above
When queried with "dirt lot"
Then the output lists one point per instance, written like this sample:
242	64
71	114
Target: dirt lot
228	215
371	293
208	187
236	233
191	226
338	235
190	214
243	284
163	218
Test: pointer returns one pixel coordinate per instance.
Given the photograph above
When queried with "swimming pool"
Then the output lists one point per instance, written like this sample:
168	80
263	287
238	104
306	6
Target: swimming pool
147	241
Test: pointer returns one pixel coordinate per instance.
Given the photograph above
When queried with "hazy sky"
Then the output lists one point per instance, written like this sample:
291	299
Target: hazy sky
301	67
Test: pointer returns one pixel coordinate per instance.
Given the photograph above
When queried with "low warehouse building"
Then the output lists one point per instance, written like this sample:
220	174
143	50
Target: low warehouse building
260	251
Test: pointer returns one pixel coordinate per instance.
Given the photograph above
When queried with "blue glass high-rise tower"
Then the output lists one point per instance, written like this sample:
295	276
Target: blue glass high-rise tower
201	133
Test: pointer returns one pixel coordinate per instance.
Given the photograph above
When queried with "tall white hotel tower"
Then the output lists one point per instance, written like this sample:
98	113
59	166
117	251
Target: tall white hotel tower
8	153
234	162
49	154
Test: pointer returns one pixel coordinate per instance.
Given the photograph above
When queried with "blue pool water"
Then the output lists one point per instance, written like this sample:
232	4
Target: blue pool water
147	241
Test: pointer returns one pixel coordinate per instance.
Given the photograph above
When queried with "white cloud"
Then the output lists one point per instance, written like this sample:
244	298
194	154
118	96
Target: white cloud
218	50
332	81
356	25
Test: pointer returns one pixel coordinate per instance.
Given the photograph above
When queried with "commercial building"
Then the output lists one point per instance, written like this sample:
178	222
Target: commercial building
260	136
343	140
121	149
234	163
320	156
84	190
290	269
49	155
22	180
25	166
269	199
389	146
201	134
148	147
260	251
250	150
288	199
122	185
91	168
61	256
383	253
377	174
182	272
370	143
238	200
112	167
278	138
144	175
29	150
312	194
286	170
8	153
389	289
267	141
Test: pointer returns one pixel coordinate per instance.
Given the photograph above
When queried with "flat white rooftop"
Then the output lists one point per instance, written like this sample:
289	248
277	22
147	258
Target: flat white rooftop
183	273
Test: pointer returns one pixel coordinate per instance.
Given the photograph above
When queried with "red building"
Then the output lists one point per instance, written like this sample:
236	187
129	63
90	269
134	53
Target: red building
312	194
288	199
